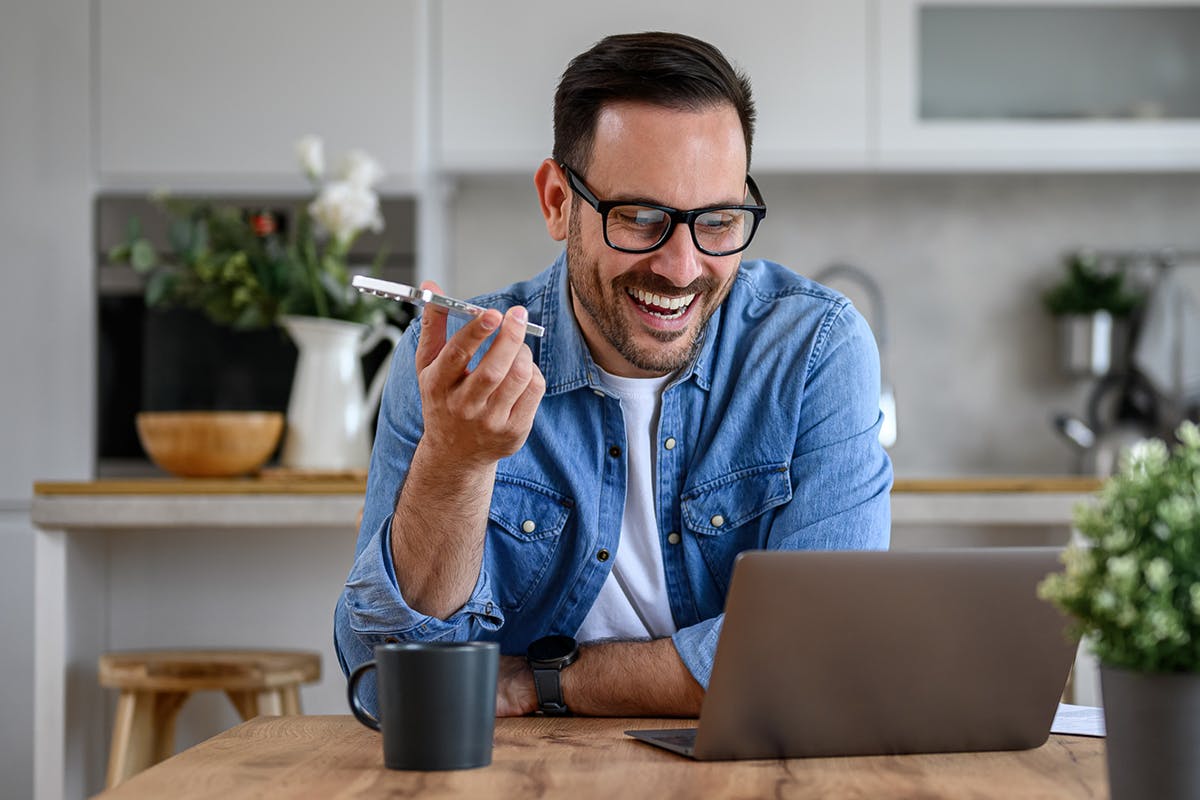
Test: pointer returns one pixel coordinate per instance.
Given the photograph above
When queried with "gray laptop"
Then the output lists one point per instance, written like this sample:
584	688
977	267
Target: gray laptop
871	653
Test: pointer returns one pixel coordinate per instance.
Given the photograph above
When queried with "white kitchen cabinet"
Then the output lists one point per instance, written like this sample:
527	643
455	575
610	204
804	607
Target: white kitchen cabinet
1060	84
498	65
213	95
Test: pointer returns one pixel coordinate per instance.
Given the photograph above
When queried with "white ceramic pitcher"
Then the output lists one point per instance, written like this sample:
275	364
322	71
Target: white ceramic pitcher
328	411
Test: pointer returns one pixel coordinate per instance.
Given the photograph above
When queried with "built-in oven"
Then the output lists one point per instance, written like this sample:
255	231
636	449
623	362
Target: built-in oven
176	359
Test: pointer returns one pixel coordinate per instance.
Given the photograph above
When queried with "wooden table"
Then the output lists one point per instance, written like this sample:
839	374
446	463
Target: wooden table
336	757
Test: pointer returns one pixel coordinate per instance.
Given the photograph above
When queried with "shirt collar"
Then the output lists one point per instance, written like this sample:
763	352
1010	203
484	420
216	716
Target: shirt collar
564	358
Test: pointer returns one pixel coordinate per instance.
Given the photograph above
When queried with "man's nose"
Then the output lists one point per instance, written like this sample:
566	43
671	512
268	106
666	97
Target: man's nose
678	260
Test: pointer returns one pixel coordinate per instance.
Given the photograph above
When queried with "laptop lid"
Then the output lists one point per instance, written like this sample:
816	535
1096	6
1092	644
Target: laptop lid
864	653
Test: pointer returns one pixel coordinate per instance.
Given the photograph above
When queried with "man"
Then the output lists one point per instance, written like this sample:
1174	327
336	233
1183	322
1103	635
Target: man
596	484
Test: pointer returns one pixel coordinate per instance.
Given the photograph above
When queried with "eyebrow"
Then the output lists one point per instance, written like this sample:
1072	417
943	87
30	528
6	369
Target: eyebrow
649	201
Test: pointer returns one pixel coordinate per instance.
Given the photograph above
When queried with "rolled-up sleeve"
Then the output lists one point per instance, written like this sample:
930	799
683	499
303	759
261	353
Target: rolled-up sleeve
372	608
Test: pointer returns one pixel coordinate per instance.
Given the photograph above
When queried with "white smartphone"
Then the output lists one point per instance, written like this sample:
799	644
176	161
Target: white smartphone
419	297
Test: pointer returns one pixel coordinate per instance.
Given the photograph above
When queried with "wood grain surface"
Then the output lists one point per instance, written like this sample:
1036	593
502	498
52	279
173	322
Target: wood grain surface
336	757
320	483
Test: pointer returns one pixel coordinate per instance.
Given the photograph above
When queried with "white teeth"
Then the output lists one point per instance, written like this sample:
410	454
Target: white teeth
678	304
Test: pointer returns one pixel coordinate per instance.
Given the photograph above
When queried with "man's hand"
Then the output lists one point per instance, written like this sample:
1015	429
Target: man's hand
480	416
515	694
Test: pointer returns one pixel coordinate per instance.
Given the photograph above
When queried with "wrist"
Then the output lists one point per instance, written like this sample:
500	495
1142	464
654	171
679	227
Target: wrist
444	460
548	659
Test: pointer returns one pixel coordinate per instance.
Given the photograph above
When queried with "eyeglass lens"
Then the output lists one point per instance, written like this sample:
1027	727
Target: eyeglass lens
721	230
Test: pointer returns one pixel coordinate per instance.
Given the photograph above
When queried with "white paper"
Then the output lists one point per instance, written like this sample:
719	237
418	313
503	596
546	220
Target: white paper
1078	720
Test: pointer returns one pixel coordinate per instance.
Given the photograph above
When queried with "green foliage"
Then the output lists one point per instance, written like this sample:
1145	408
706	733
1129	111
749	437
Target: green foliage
1134	585
218	264
1087	289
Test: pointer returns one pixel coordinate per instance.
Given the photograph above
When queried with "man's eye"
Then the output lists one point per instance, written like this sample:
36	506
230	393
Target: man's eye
716	221
638	217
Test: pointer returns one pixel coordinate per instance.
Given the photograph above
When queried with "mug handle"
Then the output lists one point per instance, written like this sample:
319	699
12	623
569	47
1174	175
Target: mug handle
356	706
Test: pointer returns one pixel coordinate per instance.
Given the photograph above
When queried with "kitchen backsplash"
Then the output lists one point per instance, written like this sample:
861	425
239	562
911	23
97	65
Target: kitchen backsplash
962	261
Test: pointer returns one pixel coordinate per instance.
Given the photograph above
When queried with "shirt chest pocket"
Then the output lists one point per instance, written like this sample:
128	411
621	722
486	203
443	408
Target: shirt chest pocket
525	524
726	513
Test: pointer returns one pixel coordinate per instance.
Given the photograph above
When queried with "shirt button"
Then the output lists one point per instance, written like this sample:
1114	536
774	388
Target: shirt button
602	555
669	443
717	520
529	526
598	393
614	451
673	537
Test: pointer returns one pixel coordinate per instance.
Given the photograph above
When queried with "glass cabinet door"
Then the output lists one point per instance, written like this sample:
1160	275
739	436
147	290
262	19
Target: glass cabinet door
1065	84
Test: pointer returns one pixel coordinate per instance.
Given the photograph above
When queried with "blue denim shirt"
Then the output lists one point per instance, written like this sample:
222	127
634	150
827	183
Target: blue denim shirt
768	440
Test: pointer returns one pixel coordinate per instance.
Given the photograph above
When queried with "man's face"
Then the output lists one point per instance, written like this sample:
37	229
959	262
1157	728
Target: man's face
643	314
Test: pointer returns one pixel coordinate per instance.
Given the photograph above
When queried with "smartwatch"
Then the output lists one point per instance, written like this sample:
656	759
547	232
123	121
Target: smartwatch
548	657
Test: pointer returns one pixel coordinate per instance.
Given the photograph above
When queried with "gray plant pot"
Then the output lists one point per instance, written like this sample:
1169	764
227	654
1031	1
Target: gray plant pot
1153	731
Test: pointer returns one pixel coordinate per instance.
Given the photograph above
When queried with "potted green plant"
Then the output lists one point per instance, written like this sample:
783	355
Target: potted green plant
240	271
1132	586
1092	306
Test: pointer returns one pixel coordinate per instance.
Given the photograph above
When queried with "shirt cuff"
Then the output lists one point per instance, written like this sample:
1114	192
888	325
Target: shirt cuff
697	645
376	606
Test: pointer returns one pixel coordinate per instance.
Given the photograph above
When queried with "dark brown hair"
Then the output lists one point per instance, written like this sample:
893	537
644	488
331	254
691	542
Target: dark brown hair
671	70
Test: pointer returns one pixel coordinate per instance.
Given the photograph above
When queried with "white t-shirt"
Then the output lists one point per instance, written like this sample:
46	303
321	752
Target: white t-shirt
633	603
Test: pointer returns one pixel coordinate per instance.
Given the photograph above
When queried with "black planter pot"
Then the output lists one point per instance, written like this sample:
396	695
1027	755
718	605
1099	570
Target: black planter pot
1153	732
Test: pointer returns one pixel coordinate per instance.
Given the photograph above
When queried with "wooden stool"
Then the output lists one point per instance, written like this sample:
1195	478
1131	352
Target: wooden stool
155	684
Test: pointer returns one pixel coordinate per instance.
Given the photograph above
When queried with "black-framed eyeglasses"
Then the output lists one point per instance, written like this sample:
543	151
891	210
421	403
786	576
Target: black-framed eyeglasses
643	227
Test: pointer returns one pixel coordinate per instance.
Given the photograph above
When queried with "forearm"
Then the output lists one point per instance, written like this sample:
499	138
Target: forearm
438	532
631	679
635	679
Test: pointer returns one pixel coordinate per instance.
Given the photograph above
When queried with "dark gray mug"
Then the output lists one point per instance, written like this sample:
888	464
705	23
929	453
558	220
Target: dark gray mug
437	703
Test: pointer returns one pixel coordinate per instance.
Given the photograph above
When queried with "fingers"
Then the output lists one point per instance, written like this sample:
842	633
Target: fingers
489	410
495	368
433	330
526	405
449	365
514	384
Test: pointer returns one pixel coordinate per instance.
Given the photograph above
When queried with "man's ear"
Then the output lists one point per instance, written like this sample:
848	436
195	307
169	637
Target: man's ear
554	195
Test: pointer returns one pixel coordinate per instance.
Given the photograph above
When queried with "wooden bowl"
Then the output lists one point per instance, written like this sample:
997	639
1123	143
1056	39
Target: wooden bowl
209	444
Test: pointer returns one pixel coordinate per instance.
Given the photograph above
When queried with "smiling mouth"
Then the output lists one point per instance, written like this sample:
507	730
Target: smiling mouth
658	305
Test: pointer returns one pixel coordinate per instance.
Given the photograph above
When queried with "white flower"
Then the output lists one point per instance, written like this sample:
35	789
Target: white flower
1189	434
311	152
344	209
1123	568
360	169
1145	456
1158	574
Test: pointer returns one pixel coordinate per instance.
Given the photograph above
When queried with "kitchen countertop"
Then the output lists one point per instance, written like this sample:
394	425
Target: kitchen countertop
354	485
323	502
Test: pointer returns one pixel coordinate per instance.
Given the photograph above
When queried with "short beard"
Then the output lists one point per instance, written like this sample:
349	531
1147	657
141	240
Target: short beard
584	278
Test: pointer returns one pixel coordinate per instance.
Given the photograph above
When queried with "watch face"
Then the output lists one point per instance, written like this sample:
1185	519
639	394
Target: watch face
551	648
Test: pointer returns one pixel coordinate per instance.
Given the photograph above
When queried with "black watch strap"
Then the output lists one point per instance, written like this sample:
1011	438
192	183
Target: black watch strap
548	683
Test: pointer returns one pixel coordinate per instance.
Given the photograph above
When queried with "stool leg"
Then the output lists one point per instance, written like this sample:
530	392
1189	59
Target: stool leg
143	732
291	699
166	711
250	703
